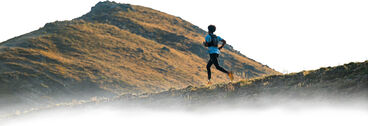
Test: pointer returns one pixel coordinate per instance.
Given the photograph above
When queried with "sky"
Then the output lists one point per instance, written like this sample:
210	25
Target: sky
287	35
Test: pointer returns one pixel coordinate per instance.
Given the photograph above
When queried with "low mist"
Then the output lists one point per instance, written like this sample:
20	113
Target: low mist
264	111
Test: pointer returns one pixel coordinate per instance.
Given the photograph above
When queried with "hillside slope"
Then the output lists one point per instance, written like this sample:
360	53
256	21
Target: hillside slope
113	49
346	84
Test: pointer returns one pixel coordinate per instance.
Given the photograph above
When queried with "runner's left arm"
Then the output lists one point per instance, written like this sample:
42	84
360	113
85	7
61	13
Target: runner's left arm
205	44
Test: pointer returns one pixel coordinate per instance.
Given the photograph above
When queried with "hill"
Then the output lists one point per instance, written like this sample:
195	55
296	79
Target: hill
112	50
346	84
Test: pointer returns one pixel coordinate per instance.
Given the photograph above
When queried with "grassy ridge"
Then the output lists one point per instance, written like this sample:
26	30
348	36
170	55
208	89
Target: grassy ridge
343	83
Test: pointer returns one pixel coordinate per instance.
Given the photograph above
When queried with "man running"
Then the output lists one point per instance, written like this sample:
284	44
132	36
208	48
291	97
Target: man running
212	41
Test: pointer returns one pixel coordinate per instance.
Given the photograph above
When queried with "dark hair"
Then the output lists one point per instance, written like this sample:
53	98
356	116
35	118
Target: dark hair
211	28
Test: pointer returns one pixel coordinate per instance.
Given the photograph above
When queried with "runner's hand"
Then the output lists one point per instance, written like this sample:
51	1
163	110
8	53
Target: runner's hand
205	44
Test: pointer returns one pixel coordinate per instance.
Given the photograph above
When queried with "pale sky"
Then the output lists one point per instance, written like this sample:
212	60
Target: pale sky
287	35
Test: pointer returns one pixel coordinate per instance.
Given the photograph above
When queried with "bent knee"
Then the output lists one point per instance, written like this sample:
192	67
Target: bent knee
218	67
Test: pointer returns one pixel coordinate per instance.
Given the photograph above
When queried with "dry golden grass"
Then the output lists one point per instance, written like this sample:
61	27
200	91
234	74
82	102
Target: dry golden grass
114	51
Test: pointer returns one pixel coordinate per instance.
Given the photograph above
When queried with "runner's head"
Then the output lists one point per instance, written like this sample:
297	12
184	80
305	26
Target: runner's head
211	28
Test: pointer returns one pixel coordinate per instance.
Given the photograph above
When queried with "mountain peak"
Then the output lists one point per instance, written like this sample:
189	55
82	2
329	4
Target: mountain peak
108	6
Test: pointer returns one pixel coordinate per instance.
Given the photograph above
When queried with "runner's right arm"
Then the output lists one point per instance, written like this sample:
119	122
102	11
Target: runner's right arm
223	44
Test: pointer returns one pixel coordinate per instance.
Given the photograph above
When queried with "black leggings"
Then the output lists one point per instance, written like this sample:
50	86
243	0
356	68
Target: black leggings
213	60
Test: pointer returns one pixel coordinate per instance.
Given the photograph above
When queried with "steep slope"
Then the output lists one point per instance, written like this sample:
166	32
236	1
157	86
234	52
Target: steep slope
171	31
346	84
114	49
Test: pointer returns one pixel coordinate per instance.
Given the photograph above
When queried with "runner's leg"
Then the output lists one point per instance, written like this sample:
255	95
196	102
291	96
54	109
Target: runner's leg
209	64
215	61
